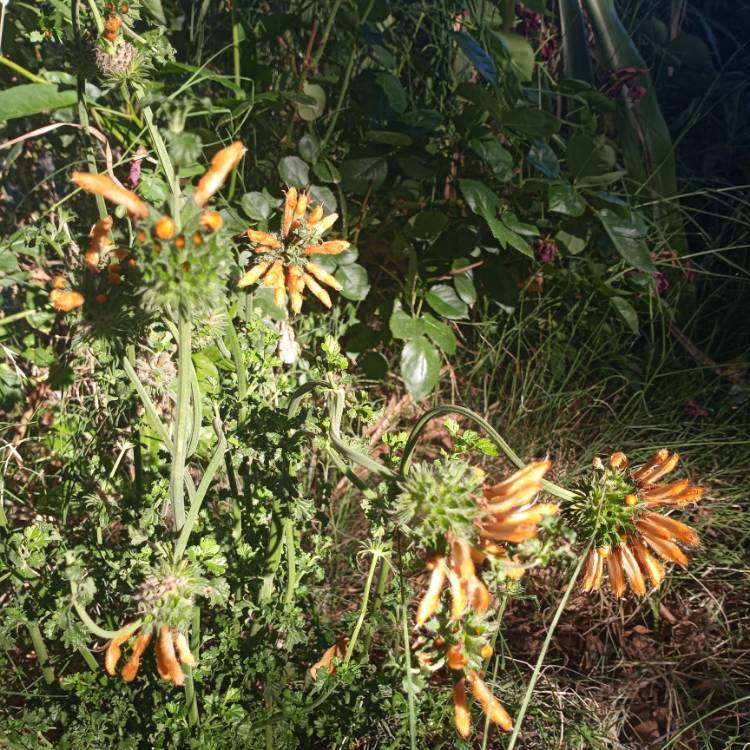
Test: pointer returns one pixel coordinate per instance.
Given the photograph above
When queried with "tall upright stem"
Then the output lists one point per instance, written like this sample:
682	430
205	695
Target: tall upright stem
179	440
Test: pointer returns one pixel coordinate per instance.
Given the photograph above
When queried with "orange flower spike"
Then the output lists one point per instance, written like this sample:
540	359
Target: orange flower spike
166	661
491	705
300	208
461	559
221	165
164	228
323	276
456	657
675	529
461	715
632	570
665	549
290	204
334	247
690	495
458	596
431	600
317	290
616	573
65	300
211	221
57	282
263	238
325	224
315	216
114	652
479	596
100	184
662	470
648	563
275	275
112	24
658	458
593	563
279	294
130	670
183	648
653	495
253	275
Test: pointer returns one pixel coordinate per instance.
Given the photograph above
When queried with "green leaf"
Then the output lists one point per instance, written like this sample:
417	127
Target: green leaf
420	367
444	301
499	159
479	57
32	98
311	112
627	312
374	365
355	281
403	326
530	121
309	148
440	333
323	196
572	242
628	235
564	199
573	36
184	147
388	137
256	205
294	171
479	197
358	174
588	156
464	281
326	171
543	158
393	91
520	53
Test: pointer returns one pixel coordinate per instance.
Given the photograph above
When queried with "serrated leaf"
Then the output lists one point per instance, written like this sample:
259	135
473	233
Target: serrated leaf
420	367
444	301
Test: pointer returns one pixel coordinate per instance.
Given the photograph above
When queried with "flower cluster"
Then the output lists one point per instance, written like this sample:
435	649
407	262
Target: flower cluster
173	260
165	600
284	263
447	505
617	513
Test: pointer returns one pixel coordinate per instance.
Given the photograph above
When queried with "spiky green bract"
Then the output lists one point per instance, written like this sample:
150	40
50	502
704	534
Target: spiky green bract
601	513
438	498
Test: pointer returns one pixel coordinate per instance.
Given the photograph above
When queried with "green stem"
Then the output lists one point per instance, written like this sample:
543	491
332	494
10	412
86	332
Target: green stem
200	493
33	77
376	555
239	366
410	690
160	146
148	404
88	657
195	394
411	444
93	627
378	601
184	363
16	316
291	582
545	646
41	652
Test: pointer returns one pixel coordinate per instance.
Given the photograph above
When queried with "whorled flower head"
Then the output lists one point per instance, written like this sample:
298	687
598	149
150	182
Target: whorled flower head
174	260
463	647
445	506
284	262
616	512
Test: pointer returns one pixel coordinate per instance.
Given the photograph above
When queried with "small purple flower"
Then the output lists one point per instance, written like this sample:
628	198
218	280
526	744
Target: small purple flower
662	284
695	410
546	249
135	167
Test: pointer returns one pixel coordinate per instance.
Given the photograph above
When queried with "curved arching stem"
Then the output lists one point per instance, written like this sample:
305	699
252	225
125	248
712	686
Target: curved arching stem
422	422
96	629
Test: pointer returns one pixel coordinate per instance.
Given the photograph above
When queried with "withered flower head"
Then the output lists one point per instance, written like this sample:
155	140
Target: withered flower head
284	262
617	512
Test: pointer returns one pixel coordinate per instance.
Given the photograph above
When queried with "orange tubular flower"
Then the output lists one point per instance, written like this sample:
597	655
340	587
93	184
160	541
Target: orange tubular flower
491	706
301	229
640	528
461	715
167	663
98	244
221	165
100	184
431	599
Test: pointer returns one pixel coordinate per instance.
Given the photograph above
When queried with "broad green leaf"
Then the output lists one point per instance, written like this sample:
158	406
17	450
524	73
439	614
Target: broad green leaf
420	367
530	121
323	196
464	282
589	156
478	56
388	137
440	333
393	91
627	312
309	148
497	280
572	242
374	365
564	199
32	98
184	147
326	171
311	112
294	171
628	235
358	175
480	199
403	326
499	159
355	281
256	205
444	301
520	53
543	158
